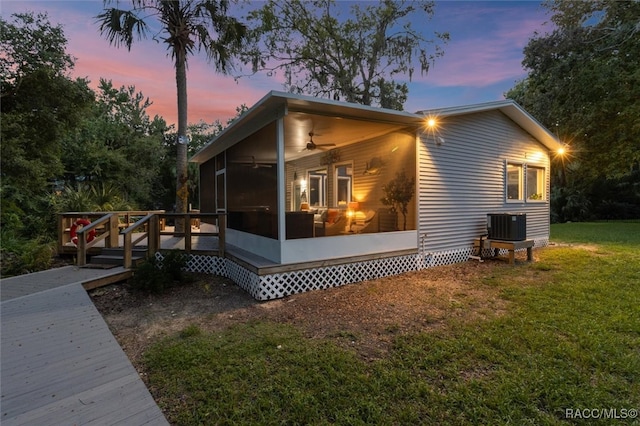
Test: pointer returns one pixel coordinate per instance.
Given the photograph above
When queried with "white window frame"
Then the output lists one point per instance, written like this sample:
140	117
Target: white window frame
322	189
520	178
541	182
523	182
337	179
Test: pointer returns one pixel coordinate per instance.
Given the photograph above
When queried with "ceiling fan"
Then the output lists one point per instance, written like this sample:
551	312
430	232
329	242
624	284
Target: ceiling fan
311	145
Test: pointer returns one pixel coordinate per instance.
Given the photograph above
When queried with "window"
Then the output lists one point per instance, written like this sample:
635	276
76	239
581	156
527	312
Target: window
514	182
535	183
343	178
317	192
525	182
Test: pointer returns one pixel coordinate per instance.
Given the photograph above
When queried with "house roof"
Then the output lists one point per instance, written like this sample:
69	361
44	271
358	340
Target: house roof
509	108
334	120
326	118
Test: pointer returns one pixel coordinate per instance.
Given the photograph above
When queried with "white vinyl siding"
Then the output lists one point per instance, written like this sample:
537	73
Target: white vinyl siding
463	179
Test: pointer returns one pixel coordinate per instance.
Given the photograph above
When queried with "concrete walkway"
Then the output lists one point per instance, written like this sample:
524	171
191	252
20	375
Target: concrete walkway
59	363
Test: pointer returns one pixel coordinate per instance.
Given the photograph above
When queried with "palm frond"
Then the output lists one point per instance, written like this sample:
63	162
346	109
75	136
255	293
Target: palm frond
120	27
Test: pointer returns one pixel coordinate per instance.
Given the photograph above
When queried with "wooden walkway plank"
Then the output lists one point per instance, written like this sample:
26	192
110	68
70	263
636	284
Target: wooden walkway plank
26	284
60	364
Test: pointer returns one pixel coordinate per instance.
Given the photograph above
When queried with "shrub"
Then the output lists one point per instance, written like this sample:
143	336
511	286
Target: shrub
156	276
21	256
173	264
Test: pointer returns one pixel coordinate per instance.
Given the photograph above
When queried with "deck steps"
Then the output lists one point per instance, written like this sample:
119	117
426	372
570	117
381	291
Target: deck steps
115	257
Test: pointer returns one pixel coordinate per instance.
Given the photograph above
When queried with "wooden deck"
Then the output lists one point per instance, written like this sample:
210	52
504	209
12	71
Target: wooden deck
59	362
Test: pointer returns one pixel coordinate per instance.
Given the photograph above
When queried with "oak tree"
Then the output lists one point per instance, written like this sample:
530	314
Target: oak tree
357	58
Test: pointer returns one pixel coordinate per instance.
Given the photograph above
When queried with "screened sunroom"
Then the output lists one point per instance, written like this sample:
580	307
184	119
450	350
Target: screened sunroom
303	179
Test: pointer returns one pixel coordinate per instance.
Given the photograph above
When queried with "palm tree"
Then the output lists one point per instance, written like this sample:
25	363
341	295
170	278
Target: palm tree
187	26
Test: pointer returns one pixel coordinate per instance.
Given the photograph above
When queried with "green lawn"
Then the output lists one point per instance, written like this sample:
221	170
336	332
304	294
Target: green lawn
569	344
607	233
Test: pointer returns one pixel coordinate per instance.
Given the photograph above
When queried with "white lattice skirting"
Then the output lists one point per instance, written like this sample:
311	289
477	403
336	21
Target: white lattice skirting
273	286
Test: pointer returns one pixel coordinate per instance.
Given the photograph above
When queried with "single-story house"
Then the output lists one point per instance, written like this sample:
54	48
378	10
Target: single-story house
318	193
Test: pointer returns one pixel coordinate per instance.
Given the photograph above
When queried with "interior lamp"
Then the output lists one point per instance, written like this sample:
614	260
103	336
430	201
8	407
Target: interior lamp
304	203
353	206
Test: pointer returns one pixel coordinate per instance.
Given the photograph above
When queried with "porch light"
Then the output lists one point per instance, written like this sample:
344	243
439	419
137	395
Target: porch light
561	151
432	129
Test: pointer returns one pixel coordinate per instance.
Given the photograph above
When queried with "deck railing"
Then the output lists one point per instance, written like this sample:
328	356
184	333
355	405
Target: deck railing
115	229
150	232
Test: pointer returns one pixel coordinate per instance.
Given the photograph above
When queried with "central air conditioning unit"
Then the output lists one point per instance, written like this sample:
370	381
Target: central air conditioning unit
507	226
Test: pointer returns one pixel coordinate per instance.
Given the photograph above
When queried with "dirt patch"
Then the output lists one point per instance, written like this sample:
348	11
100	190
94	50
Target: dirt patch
364	316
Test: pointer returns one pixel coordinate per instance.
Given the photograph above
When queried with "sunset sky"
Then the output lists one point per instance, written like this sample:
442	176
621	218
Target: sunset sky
481	62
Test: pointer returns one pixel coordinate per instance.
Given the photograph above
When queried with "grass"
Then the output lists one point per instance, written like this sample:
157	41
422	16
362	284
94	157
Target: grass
570	340
606	233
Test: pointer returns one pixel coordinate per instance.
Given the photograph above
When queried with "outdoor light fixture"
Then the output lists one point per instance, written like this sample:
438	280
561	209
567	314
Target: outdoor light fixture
432	127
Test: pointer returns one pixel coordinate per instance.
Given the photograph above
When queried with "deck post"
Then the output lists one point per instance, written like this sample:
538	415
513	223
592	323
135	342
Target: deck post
82	249
187	233
127	254
153	235
222	226
113	239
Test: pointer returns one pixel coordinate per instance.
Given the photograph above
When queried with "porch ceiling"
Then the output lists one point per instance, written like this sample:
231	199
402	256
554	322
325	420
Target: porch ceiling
330	121
329	130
